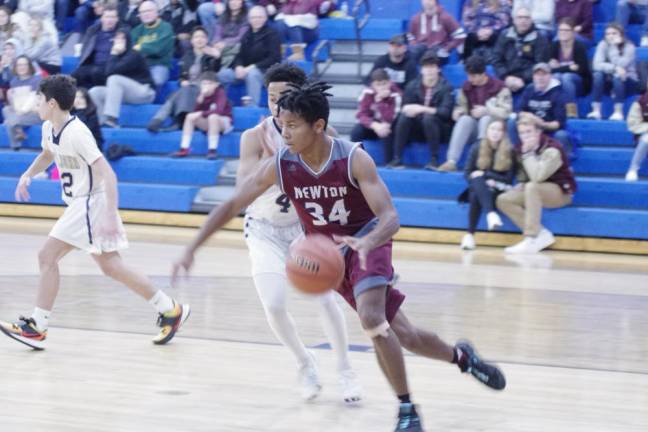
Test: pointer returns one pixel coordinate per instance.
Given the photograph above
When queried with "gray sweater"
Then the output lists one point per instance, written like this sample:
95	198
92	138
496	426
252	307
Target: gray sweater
608	57
44	50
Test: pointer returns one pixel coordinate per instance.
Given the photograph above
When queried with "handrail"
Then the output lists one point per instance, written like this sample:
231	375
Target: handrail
315	57
359	24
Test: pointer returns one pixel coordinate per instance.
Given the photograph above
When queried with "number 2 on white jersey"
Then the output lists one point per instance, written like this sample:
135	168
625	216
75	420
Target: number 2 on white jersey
339	213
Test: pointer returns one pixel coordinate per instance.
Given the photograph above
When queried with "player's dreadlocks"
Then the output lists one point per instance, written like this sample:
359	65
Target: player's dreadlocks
309	101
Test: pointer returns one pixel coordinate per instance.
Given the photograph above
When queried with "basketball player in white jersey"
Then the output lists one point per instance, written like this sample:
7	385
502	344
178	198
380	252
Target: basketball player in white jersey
271	224
90	222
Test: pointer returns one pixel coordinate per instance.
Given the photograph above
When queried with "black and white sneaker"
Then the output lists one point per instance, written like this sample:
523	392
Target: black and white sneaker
485	373
408	419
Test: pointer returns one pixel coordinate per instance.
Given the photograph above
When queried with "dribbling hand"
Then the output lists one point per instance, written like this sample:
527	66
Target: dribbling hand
360	245
184	263
21	193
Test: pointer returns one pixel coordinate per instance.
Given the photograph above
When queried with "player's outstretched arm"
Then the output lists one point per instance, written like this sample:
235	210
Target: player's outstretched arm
40	164
247	190
379	199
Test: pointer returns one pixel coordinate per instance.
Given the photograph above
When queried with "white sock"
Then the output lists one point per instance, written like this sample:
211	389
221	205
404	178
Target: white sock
272	292
41	317
185	142
161	302
334	325
212	142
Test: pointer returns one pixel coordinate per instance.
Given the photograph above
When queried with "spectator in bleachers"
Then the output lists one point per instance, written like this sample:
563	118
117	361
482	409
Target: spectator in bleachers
570	65
298	23
154	39
483	20
12	5
182	18
201	58
209	12
96	45
489	171
129	12
379	106
543	102
7	28
638	125
86	111
27	9
41	48
581	14
518	48
633	12
212	114
434	28
542	14
11	49
426	112
260	49
22	101
87	13
480	100
129	80
398	62
614	67
229	30
545	180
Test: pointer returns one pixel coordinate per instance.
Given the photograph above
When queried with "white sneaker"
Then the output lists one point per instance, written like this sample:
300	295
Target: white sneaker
493	220
350	386
595	115
309	380
616	116
644	41
468	242
544	239
632	176
521	247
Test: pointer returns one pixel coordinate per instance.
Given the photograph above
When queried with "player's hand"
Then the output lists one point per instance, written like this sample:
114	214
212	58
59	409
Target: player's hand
184	263
22	194
358	244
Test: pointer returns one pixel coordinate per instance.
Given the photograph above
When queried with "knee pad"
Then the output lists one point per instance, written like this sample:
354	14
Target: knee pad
379	330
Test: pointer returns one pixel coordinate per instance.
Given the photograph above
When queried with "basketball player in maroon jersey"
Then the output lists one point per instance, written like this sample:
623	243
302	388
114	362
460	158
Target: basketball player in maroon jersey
336	191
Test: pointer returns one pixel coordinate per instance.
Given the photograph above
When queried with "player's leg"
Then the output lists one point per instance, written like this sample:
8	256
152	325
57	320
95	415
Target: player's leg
171	313
428	344
32	331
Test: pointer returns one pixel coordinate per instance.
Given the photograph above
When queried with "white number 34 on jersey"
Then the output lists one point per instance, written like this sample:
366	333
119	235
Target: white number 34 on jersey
338	214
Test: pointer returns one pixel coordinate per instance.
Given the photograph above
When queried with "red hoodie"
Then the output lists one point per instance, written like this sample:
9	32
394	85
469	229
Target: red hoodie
439	30
385	110
216	103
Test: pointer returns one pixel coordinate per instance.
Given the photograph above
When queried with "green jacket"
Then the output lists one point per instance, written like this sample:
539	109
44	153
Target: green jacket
155	42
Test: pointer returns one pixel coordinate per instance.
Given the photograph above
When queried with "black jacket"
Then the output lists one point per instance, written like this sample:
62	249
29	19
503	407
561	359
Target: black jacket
207	63
130	63
441	98
90	39
516	54
580	58
262	48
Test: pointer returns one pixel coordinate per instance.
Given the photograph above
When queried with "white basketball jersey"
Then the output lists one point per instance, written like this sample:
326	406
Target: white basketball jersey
273	206
74	152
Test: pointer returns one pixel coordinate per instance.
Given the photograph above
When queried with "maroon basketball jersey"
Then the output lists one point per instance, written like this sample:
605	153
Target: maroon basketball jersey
329	201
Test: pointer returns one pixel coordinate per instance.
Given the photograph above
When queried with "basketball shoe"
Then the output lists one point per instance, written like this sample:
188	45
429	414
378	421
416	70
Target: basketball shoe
170	322
408	419
25	331
351	389
468	361
308	379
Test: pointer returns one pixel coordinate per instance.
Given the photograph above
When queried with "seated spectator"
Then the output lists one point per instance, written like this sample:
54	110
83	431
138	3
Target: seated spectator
434	28
570	65
543	102
480	100
426	112
489	171
542	14
129	13
377	112
22	101
633	12
12	5
86	111
638	125
87	14
96	45
42	49
11	49
580	13
229	30
182	19
129	80
483	20
208	13
260	49
212	114
518	48
27	9
201	58
398	62
298	24
154	39
614	67
545	180
7	28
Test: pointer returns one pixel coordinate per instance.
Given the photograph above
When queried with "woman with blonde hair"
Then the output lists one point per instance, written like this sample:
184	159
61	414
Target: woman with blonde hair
42	48
490	170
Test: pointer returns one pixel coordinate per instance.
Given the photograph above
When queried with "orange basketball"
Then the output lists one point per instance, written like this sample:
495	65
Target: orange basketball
315	264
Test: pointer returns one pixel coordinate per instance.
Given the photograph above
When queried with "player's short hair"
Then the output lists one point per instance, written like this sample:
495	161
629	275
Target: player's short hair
285	72
61	88
309	101
475	65
379	74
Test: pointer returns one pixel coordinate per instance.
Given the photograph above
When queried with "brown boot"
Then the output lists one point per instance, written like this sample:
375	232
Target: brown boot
297	52
448	166
572	110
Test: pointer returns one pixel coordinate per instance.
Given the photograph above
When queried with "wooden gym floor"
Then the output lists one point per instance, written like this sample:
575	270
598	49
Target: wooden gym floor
568	329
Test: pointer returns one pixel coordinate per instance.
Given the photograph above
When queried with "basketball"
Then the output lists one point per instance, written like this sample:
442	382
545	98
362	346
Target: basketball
315	264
